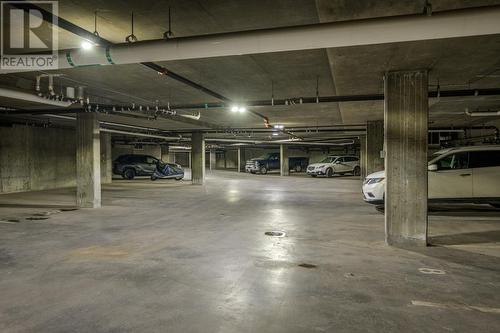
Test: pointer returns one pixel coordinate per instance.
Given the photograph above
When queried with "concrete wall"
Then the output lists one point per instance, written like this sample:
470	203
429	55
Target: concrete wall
152	150
34	158
314	155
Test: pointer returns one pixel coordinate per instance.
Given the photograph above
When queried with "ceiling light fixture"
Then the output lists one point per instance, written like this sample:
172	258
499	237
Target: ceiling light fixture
238	108
86	45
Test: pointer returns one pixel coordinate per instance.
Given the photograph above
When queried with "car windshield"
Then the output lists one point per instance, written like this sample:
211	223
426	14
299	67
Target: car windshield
328	160
264	157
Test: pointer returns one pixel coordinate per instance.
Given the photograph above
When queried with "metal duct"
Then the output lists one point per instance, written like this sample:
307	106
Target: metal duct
446	24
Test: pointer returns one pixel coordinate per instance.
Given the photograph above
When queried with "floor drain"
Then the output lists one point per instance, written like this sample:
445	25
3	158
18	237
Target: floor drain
275	233
36	218
304	265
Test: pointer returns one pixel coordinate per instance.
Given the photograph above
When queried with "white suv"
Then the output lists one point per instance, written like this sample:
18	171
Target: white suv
466	174
335	165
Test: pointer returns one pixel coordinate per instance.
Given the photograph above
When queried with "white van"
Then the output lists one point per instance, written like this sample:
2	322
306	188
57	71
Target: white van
465	174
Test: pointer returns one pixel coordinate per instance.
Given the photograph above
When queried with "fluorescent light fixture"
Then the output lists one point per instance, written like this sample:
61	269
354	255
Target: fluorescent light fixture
275	133
242	109
86	45
234	108
279	126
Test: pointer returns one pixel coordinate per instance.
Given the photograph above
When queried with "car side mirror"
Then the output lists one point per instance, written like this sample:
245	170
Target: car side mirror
432	167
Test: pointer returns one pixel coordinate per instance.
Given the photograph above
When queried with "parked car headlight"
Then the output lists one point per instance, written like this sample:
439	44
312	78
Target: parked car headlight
321	166
375	180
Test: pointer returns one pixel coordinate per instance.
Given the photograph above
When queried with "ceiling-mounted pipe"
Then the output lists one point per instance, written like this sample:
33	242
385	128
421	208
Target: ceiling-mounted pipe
109	123
14	94
96	39
278	142
482	113
392	29
146	135
195	116
342	99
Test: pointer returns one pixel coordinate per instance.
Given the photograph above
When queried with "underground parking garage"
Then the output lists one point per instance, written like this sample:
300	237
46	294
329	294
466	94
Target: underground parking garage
250	166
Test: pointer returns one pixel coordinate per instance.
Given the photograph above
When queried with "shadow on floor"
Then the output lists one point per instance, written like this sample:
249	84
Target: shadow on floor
491	236
457	210
460	256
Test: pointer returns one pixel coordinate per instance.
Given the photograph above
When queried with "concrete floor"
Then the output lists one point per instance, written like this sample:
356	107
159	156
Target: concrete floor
172	257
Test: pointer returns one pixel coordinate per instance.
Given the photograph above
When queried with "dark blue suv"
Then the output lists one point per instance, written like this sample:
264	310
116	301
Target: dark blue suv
129	166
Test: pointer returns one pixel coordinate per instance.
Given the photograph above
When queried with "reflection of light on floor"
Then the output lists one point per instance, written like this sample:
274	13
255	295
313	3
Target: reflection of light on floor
233	195
275	196
277	215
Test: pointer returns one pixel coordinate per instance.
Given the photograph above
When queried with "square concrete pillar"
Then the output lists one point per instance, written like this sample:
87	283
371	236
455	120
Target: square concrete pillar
362	156
284	164
197	159
88	164
405	123
374	146
213	159
241	159
106	159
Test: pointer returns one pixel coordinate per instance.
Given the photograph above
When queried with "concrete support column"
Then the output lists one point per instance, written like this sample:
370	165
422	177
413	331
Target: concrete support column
213	159
88	164
241	159
197	159
106	159
165	153
405	122
374	146
362	157
284	165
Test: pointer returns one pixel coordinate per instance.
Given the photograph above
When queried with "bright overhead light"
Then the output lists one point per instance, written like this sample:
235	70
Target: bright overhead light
275	133
279	126
238	108
86	45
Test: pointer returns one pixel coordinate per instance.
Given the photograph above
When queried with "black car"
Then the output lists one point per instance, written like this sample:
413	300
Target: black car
129	166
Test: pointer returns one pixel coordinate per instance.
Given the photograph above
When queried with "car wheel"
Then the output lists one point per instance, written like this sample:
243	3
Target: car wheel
129	174
329	173
298	168
314	175
178	178
252	172
153	177
356	171
263	170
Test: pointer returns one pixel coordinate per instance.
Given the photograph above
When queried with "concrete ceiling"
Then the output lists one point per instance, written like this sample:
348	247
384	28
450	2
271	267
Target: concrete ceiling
460	63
